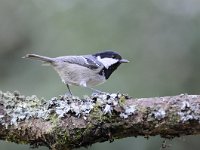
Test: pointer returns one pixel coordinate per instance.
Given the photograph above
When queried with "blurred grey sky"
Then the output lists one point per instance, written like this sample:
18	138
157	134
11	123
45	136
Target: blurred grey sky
160	38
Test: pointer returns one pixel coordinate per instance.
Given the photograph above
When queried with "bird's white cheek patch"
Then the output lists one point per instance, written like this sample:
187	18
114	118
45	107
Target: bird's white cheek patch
107	62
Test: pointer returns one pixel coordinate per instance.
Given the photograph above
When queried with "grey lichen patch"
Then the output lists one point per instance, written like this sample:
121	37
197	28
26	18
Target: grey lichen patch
185	116
185	105
128	111
114	102
189	111
159	113
18	108
108	109
183	94
73	105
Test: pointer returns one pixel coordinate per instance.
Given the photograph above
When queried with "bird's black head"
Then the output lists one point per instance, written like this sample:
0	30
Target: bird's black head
111	61
108	54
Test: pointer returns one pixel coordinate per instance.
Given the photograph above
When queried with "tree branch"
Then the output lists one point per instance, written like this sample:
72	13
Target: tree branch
71	122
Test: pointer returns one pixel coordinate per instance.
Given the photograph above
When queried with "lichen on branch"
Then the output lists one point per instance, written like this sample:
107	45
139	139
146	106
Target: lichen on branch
67	122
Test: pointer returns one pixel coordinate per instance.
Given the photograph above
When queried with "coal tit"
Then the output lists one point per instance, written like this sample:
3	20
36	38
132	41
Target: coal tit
83	70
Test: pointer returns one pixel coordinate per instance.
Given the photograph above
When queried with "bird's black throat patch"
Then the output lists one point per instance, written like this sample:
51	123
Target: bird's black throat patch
107	72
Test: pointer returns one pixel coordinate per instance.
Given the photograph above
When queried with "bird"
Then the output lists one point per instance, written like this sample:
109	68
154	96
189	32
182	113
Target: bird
83	70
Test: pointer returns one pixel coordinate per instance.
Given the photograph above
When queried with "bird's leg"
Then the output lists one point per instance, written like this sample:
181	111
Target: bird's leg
69	89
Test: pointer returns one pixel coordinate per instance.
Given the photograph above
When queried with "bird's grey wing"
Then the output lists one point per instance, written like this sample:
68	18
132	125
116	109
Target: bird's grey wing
85	61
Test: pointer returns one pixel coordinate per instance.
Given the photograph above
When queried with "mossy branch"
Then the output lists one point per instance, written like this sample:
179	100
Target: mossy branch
69	122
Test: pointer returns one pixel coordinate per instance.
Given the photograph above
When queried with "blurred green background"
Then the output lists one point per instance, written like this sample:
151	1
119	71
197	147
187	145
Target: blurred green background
160	38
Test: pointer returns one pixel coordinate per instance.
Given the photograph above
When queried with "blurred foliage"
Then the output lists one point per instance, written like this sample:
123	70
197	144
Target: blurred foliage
160	38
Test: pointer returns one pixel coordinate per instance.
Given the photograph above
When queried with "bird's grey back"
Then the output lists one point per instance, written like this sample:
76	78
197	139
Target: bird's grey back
79	70
88	61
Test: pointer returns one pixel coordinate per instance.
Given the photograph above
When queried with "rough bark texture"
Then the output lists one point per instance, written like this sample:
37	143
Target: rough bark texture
70	122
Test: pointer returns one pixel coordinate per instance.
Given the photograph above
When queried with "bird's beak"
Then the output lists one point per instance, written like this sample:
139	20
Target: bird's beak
123	61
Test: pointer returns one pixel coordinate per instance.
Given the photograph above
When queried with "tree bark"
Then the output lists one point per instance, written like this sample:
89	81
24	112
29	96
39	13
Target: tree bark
70	122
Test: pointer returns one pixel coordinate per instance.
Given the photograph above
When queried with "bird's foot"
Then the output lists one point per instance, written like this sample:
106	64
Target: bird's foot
68	95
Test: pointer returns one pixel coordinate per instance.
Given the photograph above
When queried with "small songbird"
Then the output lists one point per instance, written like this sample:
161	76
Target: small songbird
83	70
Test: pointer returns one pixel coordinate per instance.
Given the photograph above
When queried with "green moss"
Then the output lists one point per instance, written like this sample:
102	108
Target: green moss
122	100
54	119
173	119
78	134
63	138
13	137
96	113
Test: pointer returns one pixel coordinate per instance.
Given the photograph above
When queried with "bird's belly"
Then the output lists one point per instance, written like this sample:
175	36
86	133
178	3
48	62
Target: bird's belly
95	80
79	75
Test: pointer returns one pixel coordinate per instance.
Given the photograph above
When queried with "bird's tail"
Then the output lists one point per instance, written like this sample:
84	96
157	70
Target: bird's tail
40	58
